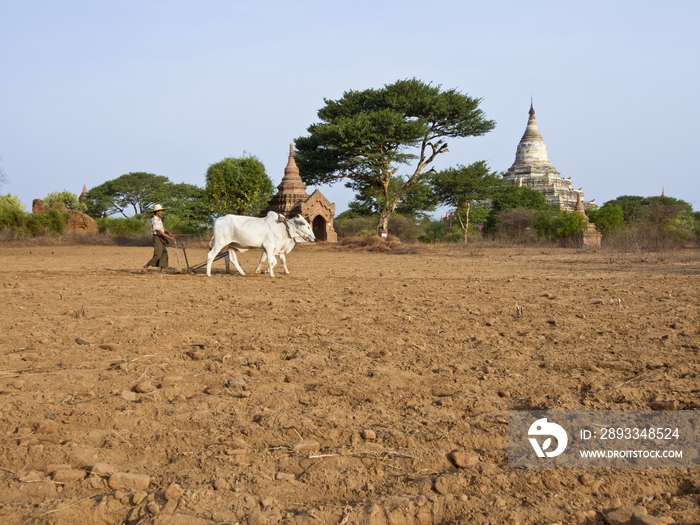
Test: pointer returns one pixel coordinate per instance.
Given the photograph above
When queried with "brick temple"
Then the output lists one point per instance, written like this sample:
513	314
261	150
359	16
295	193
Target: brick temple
292	199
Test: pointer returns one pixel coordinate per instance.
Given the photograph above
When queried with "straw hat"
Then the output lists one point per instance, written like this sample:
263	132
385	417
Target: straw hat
158	207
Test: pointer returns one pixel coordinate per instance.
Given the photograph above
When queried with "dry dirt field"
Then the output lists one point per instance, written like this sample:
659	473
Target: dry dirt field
336	394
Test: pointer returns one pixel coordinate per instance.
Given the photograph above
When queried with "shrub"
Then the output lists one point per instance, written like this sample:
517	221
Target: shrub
404	228
66	198
11	216
11	201
355	226
16	223
557	225
53	222
435	231
515	226
608	219
122	226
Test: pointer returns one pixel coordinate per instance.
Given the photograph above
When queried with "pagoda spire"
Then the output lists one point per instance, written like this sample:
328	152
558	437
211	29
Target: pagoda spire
291	178
531	148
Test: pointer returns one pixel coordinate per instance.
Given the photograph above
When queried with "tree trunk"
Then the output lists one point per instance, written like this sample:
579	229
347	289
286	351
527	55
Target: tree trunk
466	227
383	226
386	209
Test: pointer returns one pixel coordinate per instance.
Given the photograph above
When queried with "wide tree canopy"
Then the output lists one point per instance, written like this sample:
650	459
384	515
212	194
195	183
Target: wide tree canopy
132	193
238	186
366	137
136	193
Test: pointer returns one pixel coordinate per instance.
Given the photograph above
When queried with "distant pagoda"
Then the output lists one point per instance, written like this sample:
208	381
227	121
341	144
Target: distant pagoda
533	170
292	199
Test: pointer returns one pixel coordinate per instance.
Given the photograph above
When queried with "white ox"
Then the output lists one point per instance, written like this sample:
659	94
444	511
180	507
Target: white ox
273	234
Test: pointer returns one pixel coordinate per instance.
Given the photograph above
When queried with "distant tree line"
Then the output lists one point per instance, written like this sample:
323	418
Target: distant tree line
382	144
122	206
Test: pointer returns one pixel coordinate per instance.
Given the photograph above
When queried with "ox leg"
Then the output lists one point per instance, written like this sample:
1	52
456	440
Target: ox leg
232	257
271	260
263	258
212	255
284	263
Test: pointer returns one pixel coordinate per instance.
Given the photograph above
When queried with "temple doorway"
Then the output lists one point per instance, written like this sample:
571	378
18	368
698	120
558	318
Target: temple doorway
319	227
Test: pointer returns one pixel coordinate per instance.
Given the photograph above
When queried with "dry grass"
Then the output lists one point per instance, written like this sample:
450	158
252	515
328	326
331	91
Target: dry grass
377	245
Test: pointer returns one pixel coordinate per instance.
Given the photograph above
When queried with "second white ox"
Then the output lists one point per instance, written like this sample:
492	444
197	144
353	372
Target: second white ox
273	234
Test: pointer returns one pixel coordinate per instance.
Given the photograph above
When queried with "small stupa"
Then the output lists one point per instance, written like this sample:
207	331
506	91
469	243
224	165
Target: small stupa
533	169
592	238
291	199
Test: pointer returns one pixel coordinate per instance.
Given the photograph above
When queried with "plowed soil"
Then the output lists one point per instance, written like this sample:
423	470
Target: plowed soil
336	394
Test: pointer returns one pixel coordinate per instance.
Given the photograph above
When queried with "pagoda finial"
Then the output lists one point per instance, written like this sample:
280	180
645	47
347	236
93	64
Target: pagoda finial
532	108
291	149
663	191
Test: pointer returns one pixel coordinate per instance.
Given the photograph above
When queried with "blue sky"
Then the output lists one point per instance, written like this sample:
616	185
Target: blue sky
91	90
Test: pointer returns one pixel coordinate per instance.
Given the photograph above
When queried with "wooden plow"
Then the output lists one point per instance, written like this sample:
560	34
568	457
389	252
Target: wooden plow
192	269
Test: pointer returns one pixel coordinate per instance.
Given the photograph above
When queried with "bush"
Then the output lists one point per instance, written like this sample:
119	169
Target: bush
11	216
355	226
558	225
404	228
123	226
435	231
11	201
608	219
641	239
514	226
16	223
66	198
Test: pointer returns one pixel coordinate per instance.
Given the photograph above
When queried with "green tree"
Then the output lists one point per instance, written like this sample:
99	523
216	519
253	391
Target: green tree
65	197
633	207
458	186
136	192
367	136
556	224
12	201
657	217
416	203
571	224
187	208
462	187
238	186
609	218
510	197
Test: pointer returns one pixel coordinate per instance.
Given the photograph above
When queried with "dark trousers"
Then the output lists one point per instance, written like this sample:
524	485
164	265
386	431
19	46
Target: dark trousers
160	253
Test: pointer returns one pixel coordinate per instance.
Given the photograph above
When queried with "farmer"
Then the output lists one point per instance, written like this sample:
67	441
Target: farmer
160	238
